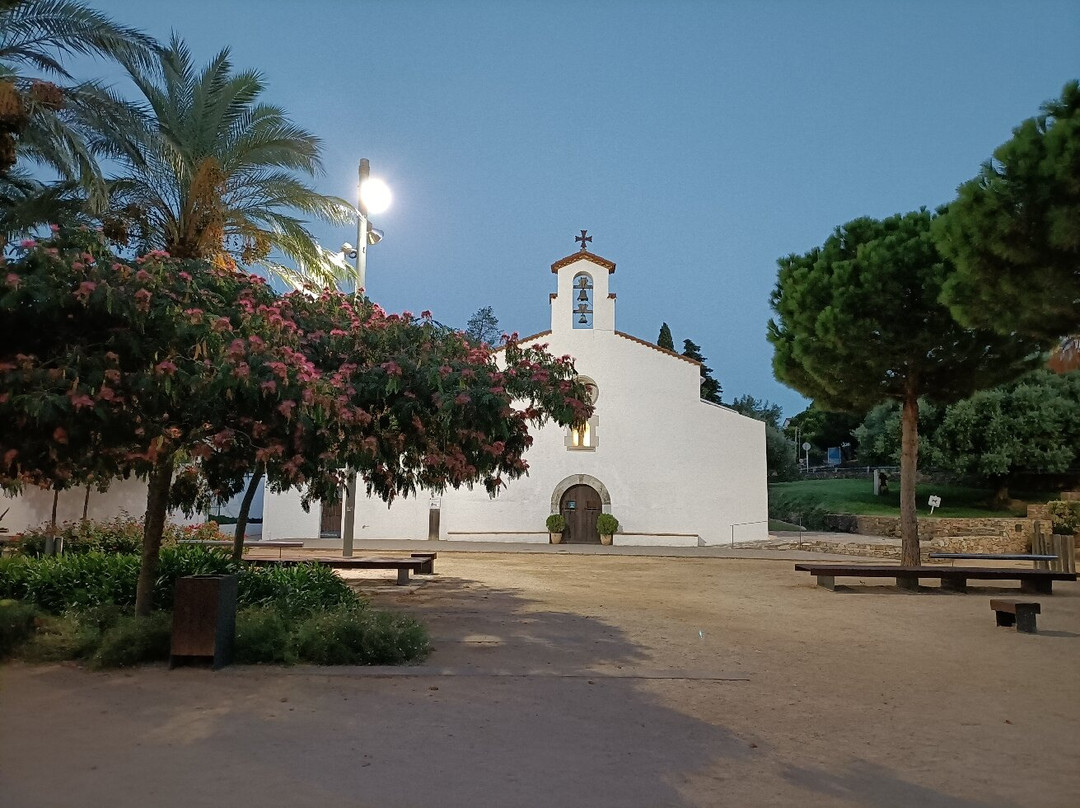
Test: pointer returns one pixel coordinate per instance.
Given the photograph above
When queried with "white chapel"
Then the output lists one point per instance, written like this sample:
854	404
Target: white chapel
673	469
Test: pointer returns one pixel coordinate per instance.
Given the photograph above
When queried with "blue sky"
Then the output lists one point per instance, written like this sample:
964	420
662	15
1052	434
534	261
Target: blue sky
696	141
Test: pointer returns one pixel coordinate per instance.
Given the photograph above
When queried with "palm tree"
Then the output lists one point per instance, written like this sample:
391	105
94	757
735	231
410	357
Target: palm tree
219	178
67	126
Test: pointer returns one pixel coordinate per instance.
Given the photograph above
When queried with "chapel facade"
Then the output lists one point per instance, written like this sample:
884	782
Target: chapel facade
673	469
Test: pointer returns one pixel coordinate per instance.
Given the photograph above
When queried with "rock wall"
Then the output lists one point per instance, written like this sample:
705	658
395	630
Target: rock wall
953	535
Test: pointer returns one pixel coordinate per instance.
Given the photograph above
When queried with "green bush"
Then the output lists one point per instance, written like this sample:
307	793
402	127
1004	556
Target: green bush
1065	515
16	625
295	590
359	636
606	524
263	637
556	523
122	534
72	635
57	583
134	640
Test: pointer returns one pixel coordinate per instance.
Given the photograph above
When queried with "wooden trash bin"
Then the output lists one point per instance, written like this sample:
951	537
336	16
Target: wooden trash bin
204	620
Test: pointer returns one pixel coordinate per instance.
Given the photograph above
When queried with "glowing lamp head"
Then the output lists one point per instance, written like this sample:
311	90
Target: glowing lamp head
374	195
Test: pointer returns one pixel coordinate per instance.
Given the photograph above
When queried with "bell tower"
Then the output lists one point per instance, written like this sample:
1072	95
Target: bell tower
583	302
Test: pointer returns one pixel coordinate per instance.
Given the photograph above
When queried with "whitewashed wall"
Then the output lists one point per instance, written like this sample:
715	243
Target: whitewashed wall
679	471
34	506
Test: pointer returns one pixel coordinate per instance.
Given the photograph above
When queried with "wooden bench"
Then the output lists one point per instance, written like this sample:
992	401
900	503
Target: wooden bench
953	579
1017	613
423	565
995	556
280	545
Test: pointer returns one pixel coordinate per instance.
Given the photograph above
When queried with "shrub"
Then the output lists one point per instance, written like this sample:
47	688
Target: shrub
122	534
133	640
607	524
188	559
263	636
57	583
295	590
1065	515
556	523
72	635
16	625
360	636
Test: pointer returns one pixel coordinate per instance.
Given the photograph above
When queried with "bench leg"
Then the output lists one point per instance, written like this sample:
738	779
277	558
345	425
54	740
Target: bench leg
1025	620
1005	619
1036	587
827	581
907	582
954	584
403	576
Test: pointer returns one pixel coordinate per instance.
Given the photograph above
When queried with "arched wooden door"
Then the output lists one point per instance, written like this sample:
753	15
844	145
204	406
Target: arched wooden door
580	506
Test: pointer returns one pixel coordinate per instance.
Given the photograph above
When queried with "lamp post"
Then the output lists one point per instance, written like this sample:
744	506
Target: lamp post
373	197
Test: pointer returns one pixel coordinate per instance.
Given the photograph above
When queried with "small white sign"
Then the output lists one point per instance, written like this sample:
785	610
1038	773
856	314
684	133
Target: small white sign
434	503
935	502
806	447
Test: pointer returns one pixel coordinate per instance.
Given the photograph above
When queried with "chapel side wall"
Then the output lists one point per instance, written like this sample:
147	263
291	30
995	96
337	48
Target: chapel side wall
33	506
284	517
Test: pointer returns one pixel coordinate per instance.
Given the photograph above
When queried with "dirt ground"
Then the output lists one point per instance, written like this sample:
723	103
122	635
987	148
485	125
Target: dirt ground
600	681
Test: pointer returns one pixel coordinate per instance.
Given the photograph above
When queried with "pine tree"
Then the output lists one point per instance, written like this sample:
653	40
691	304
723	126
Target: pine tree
664	340
710	387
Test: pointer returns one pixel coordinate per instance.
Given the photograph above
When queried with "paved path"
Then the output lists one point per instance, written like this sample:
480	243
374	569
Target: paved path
593	680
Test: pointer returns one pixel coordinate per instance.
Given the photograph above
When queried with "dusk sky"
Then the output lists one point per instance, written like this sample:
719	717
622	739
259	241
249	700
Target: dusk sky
696	141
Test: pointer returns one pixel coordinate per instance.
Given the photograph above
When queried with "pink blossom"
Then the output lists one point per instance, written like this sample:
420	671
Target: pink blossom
55	228
79	400
391	368
426	314
166	367
142	300
242	371
185	276
106	394
462	398
60	435
142	275
28	243
13	280
85	289
268	386
195	315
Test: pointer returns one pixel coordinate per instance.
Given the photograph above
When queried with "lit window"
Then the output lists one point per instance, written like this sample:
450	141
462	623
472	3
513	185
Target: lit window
584	436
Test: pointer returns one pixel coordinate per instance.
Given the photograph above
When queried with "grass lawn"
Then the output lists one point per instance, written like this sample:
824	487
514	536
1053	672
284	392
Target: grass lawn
857	497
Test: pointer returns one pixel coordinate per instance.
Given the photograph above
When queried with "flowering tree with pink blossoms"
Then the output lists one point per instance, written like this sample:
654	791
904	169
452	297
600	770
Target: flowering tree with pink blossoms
112	368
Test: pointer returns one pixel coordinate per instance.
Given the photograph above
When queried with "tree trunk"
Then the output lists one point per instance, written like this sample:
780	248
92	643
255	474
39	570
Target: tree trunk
157	502
1001	495
86	503
909	458
50	535
245	509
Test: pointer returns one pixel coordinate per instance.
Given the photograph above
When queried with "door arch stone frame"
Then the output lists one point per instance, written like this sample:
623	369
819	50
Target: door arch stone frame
581	479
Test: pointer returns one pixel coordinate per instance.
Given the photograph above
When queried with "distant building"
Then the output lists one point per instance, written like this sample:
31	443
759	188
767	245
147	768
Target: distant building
673	469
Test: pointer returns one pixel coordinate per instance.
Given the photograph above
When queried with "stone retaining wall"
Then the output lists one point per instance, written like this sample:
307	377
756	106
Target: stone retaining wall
952	535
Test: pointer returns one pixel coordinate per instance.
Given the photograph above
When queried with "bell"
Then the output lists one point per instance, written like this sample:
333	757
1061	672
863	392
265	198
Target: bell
583	319
583	295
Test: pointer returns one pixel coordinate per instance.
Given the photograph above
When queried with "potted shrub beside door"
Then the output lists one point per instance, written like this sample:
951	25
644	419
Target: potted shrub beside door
556	524
606	525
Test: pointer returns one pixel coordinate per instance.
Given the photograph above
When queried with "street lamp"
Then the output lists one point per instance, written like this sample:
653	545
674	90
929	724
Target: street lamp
374	197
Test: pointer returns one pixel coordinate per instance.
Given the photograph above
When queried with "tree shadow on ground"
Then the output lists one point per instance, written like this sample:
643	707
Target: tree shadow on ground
868	784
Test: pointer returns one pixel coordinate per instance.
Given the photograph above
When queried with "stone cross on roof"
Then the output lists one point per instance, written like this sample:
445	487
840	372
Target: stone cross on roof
584	237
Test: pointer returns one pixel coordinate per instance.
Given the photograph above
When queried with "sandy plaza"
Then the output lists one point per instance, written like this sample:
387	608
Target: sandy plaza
568	679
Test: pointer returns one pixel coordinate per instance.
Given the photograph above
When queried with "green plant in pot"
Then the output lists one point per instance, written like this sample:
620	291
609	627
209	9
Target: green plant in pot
556	524
606	526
